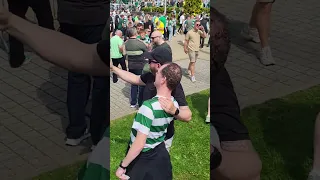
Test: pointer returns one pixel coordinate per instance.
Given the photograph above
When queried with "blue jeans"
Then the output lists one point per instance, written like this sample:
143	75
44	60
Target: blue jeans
135	90
170	29
79	86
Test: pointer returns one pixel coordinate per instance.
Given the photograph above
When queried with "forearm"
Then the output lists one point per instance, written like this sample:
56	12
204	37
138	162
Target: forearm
133	152
186	45
127	76
58	48
185	114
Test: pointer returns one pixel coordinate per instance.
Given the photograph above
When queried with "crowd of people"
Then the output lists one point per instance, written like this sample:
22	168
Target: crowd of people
141	41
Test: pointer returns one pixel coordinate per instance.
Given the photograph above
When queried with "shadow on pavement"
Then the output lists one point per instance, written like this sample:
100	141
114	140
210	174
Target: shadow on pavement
126	90
53	94
235	28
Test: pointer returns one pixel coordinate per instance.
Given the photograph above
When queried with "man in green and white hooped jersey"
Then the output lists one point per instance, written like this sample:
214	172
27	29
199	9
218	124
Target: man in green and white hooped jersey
147	157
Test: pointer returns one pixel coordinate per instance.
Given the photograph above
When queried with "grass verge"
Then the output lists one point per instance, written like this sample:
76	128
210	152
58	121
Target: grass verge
281	131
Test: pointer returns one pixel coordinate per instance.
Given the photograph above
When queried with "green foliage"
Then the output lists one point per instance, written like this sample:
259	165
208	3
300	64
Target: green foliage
193	7
160	9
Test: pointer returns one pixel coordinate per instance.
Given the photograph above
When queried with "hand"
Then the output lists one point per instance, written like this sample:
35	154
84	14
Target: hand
167	105
186	51
120	172
4	18
111	65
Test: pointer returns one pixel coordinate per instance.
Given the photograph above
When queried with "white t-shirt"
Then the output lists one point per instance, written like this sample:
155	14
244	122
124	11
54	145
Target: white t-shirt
181	19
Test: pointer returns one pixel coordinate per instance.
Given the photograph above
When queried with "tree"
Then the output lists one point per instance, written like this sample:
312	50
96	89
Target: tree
193	6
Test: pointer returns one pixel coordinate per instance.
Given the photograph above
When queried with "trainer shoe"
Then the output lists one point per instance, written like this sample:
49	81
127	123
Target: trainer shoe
266	57
208	119
193	79
133	106
251	34
75	142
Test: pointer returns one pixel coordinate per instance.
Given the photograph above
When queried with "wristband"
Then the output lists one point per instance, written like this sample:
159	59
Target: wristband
120	165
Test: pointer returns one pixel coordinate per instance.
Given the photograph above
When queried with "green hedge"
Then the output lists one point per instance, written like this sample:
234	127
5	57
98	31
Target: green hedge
169	10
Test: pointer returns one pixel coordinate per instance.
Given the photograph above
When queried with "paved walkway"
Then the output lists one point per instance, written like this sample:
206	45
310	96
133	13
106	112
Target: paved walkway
32	99
295	46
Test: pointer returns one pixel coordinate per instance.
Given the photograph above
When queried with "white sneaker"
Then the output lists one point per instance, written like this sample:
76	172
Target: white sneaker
266	57
132	106
75	142
193	79
207	119
251	34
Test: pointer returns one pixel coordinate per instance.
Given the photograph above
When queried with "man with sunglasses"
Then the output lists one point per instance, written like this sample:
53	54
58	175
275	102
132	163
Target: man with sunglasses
158	41
158	57
191	46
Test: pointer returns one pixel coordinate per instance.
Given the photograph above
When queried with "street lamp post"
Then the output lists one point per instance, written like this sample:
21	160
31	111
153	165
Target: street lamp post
165	6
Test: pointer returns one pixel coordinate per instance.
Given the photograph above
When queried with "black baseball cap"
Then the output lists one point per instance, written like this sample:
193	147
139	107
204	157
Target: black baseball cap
159	54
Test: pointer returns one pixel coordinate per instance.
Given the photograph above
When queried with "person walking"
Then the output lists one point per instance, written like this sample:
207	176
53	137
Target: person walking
259	29
170	28
86	23
204	23
181	21
191	47
43	12
116	53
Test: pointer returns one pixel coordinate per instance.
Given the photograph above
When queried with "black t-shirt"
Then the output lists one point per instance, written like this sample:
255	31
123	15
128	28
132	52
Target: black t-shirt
83	12
163	45
150	91
225	110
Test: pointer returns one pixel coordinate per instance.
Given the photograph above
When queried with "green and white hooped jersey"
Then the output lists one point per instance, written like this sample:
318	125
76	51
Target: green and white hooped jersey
98	164
153	121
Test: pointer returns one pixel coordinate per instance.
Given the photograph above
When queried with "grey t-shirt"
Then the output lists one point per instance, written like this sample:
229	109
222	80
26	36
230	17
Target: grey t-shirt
83	12
135	49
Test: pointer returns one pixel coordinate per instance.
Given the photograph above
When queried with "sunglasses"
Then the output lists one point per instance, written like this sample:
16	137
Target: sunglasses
152	61
197	24
154	37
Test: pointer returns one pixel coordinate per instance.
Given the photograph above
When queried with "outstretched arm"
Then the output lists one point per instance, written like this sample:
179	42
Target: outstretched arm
55	47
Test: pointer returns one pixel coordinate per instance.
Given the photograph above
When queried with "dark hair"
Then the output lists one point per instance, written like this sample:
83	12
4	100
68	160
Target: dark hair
219	40
173	74
139	24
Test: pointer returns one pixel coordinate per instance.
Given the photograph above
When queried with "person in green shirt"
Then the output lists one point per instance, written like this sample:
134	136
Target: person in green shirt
143	36
170	27
116	52
163	19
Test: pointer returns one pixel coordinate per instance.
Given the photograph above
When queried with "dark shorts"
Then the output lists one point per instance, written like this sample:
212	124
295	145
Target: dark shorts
154	164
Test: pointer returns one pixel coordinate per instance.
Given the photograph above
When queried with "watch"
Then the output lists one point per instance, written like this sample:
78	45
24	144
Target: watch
177	112
120	165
